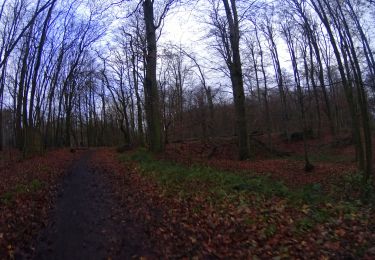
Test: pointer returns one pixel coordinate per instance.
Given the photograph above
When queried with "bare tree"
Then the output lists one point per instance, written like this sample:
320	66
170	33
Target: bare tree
228	35
290	40
150	83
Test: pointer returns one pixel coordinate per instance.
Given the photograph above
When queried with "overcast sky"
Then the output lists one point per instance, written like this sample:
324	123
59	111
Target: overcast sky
186	26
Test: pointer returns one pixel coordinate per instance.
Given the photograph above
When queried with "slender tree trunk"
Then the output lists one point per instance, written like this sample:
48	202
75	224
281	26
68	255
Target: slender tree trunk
20	117
362	98
347	87
366	46
255	65
322	82
280	83
290	43
209	97
138	101
315	89
265	94
42	41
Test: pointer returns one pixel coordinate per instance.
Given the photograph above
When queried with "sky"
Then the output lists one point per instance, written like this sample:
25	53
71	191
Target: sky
185	26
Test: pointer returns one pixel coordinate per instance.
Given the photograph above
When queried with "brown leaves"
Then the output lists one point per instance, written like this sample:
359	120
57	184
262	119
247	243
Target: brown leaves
333	246
340	232
26	194
291	172
194	226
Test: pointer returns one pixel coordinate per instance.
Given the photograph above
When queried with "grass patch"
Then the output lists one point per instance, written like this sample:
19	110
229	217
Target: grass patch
184	181
269	231
7	197
351	187
259	200
32	187
314	216
304	225
35	185
308	194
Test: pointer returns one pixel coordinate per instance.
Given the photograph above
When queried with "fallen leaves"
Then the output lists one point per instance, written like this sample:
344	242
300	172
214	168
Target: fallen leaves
340	232
334	246
196	222
290	171
195	225
27	189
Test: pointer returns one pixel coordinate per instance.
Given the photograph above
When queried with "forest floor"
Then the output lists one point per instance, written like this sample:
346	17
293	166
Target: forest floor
87	222
194	201
27	193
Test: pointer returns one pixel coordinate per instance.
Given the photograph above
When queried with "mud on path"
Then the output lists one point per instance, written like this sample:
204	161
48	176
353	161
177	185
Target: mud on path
87	222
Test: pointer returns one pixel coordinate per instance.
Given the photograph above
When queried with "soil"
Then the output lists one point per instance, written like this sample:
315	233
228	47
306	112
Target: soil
87	222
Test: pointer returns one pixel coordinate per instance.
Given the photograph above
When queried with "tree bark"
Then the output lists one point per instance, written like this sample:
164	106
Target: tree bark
235	69
347	87
150	84
42	41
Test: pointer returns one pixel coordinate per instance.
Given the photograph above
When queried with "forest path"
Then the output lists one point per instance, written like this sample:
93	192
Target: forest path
86	222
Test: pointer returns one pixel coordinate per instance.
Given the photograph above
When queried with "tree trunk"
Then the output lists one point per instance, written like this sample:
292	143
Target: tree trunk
42	41
150	84
265	94
362	98
280	83
315	89
347	87
290	44
235	69
2	86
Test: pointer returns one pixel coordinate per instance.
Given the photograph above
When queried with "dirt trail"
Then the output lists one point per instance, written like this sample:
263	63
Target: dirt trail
87	222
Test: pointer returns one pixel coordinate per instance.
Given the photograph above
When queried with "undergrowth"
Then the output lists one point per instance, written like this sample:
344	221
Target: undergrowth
180	179
33	186
174	176
307	209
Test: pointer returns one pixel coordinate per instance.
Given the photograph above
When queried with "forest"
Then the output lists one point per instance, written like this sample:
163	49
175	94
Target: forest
202	129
